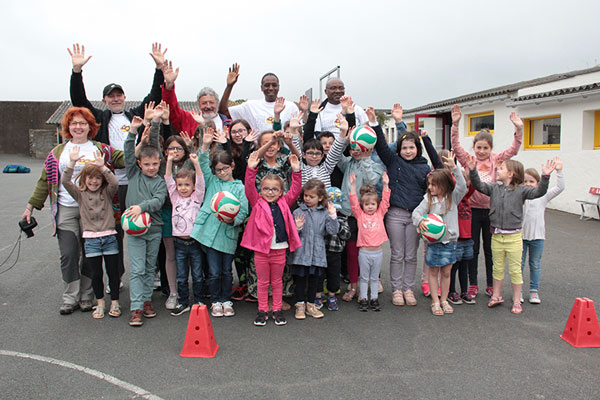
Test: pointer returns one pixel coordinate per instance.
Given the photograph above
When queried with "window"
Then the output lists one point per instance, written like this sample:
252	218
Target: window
411	126
597	129
542	133
481	121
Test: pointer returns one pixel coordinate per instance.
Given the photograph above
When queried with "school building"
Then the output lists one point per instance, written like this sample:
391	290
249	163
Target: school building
561	113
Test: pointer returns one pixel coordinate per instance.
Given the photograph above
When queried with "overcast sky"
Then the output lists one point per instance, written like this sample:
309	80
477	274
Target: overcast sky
412	52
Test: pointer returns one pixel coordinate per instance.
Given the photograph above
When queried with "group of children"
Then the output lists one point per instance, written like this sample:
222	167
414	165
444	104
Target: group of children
288	220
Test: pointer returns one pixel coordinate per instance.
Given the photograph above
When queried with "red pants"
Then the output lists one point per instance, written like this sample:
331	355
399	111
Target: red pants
269	269
352	261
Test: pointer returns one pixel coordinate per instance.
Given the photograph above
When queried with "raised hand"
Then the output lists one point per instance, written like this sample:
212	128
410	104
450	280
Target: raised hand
78	57
315	106
296	121
397	112
299	220
252	136
558	162
331	208
198	118
303	104
207	137
148	111
158	111
233	74
194	159
287	138
385	179
253	160
347	104
343	123
456	114
294	162
136	122
449	161
187	138
471	164
170	74
157	55
516	120
98	159
352	179
278	107
166	113
548	167
74	155
220	137
145	135
423	132
371	114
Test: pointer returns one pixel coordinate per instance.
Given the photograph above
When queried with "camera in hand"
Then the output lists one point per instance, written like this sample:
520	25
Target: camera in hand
27	227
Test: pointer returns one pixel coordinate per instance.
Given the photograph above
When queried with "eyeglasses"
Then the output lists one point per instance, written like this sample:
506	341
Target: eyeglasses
78	123
238	132
219	170
271	190
178	148
313	153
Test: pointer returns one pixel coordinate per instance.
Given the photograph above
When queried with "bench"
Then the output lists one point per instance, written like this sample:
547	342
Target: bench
594	191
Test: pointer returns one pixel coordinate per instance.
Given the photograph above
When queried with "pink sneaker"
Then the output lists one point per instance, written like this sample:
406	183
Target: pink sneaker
425	289
473	290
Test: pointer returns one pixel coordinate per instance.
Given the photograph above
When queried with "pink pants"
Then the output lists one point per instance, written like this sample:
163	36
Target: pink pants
269	269
352	261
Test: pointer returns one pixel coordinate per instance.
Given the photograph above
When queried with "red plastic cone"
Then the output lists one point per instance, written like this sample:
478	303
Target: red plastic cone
199	338
582	329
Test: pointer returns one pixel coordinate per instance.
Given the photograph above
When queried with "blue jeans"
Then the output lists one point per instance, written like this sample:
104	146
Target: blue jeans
536	248
188	255
220	278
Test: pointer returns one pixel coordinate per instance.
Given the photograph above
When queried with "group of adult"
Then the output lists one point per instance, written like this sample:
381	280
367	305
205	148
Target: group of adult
94	129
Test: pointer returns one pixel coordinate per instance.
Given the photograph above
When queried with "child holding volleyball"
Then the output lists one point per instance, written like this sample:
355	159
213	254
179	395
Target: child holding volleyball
217	235
270	232
442	198
507	196
486	163
94	193
369	215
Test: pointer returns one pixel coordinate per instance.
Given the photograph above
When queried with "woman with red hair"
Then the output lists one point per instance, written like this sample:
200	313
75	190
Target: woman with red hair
78	128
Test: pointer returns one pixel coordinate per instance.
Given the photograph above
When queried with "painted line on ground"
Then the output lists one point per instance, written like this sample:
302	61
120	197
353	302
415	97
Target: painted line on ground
21	238
97	374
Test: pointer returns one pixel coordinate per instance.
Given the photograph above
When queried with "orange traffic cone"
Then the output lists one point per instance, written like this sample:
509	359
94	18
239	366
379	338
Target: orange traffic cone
582	329
199	338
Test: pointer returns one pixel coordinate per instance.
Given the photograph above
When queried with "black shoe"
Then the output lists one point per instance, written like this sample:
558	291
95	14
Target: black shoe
279	318
261	318
363	305
180	309
374	304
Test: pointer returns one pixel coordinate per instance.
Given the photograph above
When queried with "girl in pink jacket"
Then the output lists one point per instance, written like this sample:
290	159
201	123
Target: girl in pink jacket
486	162
270	232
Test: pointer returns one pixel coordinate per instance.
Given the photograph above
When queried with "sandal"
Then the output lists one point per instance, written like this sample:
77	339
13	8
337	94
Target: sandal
516	308
436	309
98	312
349	295
447	308
115	310
494	301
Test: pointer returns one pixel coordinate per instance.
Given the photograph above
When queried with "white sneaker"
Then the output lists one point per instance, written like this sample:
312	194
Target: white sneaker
216	310
171	302
228	309
156	283
534	298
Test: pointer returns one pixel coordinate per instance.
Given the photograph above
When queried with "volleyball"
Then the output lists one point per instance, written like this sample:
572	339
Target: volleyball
363	138
436	228
136	226
225	206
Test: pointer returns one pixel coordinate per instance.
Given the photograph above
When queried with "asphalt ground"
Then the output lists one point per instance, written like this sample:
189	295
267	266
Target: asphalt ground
400	352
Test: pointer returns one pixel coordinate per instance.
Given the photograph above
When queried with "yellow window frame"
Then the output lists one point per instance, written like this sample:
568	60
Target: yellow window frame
527	137
483	114
411	126
597	129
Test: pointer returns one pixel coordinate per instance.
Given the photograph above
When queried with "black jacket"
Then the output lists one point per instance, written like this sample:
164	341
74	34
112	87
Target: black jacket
79	99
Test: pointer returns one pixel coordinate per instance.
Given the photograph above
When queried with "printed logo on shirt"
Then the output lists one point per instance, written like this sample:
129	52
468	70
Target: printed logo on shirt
270	120
125	128
370	225
337	122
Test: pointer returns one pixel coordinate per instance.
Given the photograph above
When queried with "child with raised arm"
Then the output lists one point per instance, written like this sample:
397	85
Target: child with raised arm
315	217
507	196
270	232
369	215
146	193
534	226
218	237
442	198
94	193
486	163
186	192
